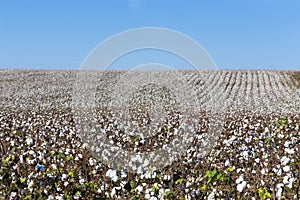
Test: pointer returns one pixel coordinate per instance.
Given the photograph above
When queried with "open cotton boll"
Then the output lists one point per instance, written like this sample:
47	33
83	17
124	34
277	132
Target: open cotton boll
112	174
240	187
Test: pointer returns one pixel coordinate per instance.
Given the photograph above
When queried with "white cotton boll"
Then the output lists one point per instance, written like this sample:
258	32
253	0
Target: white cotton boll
85	145
211	196
59	197
275	170
139	189
58	189
140	170
81	181
64	176
245	154
287	144
247	140
285	160
134	168
133	159
147	175
77	195
98	150
21	159
227	162
53	166
113	192
278	193
240	187
139	159
66	183
292	180
13	194
109	172
50	197
31	152
92	161
30	185
285	180
289	151
123	174
288	181
30	162
167	177
290	185
280	136
266	130
240	179
146	163
161	193
112	174
280	185
188	184
279	173
29	141
147	196
286	168
153	174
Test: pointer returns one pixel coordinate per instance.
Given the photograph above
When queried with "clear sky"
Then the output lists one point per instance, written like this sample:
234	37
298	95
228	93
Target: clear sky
238	34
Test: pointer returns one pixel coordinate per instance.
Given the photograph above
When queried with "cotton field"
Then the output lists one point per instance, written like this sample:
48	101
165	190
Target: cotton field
49	151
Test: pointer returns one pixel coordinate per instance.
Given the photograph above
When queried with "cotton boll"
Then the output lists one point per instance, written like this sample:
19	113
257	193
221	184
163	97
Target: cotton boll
240	187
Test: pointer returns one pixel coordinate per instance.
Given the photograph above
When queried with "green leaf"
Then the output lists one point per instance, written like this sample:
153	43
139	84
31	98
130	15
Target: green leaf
93	185
61	155
77	193
70	157
204	187
267	194
221	177
210	174
71	174
179	181
28	197
263	193
294	164
230	169
7	159
155	188
168	192
136	139
282	123
132	184
22	180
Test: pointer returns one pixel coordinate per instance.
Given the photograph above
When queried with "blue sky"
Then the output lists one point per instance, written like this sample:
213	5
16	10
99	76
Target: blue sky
238	34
